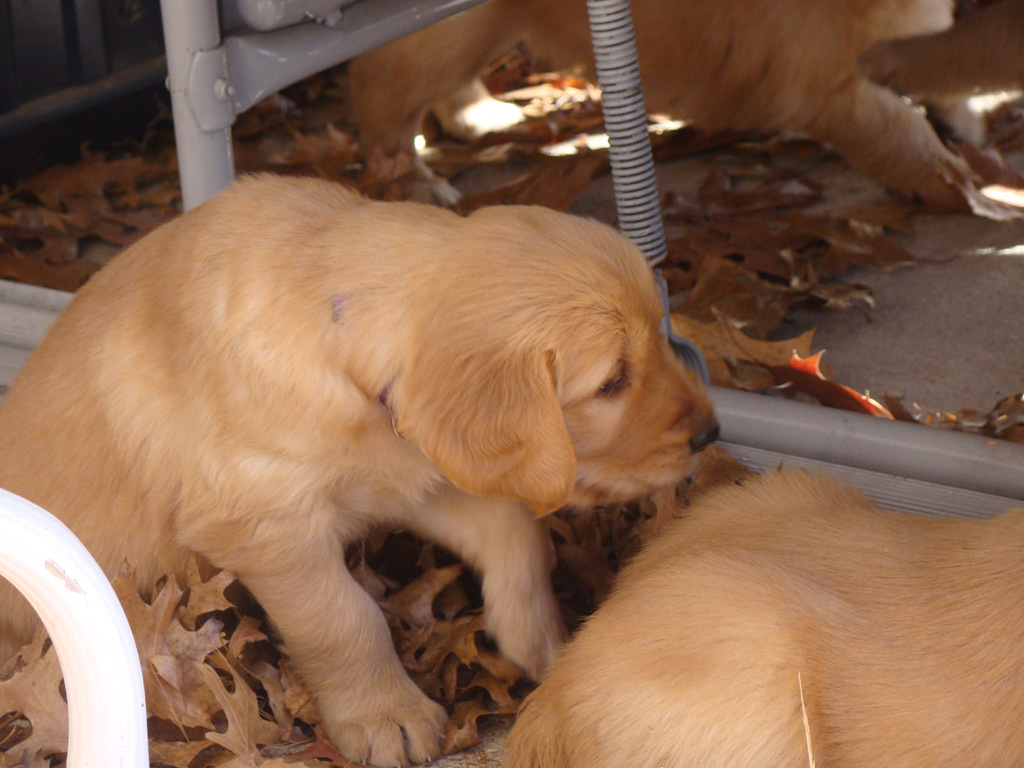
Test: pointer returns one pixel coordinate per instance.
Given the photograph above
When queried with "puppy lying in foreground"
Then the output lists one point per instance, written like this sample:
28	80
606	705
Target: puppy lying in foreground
267	376
728	65
899	637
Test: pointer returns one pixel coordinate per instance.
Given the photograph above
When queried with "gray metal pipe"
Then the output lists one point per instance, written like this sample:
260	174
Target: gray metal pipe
868	443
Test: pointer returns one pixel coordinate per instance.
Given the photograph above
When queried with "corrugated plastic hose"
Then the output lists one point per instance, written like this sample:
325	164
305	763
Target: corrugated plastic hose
625	120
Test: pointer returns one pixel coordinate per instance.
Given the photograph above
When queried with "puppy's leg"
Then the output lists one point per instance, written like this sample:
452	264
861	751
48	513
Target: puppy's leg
471	112
335	635
512	551
393	85
893	142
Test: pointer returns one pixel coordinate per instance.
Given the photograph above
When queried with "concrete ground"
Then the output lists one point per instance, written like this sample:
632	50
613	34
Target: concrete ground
946	333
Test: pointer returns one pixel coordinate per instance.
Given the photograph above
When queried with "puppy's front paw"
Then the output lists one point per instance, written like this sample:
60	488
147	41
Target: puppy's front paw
527	627
400	729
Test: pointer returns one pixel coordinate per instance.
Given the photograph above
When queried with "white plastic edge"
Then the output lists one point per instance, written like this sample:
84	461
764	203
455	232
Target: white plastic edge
97	654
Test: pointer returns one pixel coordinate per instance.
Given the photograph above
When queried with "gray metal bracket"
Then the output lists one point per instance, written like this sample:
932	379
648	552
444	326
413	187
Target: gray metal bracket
213	79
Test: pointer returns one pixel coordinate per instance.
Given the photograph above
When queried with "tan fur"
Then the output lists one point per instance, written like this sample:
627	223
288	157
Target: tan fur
265	377
981	53
905	634
761	65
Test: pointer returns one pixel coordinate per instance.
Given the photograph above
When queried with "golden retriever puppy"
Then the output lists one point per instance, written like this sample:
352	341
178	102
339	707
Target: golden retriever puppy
265	377
727	64
981	53
792	614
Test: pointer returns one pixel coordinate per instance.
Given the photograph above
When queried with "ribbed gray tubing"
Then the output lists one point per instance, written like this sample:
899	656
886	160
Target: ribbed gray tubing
625	118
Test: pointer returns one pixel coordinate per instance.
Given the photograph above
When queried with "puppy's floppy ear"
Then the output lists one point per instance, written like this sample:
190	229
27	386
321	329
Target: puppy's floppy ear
492	424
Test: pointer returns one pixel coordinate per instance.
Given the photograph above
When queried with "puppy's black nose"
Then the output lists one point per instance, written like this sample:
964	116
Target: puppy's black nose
699	442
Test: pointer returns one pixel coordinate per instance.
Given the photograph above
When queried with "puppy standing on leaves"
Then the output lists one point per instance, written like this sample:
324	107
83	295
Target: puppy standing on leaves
264	378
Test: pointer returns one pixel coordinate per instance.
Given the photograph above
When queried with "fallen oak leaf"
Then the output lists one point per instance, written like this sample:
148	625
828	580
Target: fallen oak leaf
894	404
247	730
887	215
22	758
167	651
307	753
1006	420
34	691
269	677
463	730
93	177
204	596
989	165
297	698
724	345
718	195
804	375
176	753
249	630
556	183
725	289
414	603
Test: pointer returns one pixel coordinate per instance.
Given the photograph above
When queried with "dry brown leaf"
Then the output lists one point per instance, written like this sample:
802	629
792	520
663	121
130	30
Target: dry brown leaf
249	630
724	345
414	603
270	678
168	651
462	730
716	469
93	177
724	289
803	374
204	596
296	698
23	758
719	195
321	749
555	183
176	753
246	731
34	691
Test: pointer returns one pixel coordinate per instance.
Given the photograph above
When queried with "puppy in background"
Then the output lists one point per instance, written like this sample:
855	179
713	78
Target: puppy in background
262	379
726	64
980	54
791	615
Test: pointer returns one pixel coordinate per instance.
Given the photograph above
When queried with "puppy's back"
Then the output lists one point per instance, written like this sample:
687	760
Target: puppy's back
103	425
898	637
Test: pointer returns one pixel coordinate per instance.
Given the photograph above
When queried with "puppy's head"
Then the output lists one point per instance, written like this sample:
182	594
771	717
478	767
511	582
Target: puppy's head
539	371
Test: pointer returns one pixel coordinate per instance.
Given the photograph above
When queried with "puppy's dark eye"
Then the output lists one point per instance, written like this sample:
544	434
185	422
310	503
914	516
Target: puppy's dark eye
615	384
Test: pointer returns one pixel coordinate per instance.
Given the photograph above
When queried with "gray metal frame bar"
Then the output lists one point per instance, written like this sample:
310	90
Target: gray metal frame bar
211	80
